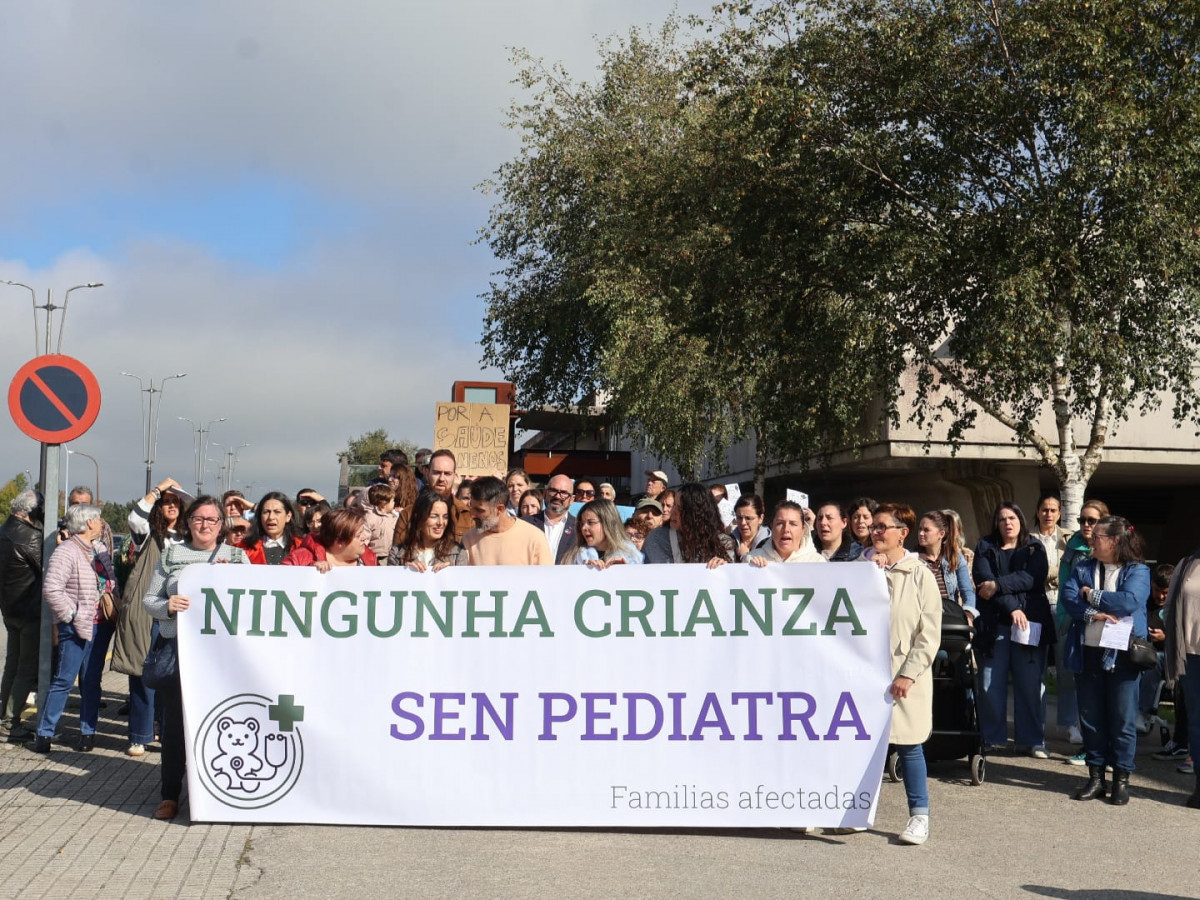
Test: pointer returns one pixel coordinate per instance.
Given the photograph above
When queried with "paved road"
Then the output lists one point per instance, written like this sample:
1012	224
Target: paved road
78	825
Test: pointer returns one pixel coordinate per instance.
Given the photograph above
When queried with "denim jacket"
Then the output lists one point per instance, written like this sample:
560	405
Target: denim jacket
1129	599
958	584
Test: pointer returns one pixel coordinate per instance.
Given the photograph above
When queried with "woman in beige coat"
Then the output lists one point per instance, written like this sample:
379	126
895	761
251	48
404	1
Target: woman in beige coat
915	635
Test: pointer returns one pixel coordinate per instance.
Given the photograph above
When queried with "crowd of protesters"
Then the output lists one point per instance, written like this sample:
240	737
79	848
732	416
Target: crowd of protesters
1035	593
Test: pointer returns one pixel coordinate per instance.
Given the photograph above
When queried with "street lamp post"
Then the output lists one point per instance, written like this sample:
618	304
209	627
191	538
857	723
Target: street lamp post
48	475
149	419
202	433
70	453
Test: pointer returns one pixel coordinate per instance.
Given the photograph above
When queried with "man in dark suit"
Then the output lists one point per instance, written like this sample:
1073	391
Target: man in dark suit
556	520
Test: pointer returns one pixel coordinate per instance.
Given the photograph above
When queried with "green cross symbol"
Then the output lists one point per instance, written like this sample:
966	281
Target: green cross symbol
286	712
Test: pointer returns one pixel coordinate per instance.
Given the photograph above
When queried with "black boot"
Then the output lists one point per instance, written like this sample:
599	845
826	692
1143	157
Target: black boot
1120	788
1095	787
1194	800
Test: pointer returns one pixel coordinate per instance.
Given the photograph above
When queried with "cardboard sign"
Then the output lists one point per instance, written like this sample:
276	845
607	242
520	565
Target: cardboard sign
477	435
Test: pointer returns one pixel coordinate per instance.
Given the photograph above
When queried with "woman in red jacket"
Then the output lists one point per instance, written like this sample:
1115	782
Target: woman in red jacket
274	531
342	541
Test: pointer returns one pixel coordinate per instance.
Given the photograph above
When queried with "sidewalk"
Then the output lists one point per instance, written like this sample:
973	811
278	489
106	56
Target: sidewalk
79	825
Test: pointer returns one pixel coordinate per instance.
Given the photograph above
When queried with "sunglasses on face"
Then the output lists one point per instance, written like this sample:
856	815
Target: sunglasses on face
585	493
1087	521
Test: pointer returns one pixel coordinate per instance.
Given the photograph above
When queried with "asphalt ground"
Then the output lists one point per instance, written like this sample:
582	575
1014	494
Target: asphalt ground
80	825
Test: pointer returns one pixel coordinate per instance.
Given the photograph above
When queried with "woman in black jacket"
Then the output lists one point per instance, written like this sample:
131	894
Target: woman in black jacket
1015	629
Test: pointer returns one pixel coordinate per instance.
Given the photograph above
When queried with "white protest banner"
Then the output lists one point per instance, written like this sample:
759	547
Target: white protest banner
477	434
635	696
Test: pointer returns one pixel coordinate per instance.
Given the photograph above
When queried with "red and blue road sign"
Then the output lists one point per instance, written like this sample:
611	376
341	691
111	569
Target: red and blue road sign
54	399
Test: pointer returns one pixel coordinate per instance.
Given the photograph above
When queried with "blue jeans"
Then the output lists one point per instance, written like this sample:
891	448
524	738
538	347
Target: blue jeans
1068	707
141	698
1108	710
1027	665
1191	699
915	775
72	659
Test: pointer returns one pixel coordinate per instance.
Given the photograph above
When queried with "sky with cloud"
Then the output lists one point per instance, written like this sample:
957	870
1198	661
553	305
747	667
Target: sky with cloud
281	200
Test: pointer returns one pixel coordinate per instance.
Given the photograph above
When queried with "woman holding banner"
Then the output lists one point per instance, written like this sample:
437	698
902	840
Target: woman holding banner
693	534
429	544
202	543
602	540
342	541
789	538
915	635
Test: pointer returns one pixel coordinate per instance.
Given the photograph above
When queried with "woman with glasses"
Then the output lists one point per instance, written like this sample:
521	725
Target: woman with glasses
602	539
342	541
202	543
914	636
749	532
1014	631
1113	585
1078	548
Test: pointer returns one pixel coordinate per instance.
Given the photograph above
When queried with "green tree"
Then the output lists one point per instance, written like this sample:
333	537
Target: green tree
1031	192
763	230
9	491
117	515
362	453
648	226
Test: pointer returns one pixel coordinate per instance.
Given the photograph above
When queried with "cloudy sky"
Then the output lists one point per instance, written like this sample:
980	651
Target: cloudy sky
280	199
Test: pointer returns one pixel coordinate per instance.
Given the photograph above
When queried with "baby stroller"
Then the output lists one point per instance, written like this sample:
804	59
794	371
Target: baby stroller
956	733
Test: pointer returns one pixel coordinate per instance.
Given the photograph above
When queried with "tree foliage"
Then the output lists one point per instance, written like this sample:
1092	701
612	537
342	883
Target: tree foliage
762	229
117	515
367	447
9	492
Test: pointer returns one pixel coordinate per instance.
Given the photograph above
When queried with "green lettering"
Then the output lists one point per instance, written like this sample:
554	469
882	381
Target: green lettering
211	602
642	615
806	595
579	623
703	602
444	622
840	599
350	620
496	614
531	613
397	615
283	602
256	594
743	604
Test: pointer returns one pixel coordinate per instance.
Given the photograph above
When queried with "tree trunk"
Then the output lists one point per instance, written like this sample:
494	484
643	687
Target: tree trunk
1072	485
760	469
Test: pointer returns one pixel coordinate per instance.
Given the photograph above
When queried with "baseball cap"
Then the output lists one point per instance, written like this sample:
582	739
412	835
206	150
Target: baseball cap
648	502
659	474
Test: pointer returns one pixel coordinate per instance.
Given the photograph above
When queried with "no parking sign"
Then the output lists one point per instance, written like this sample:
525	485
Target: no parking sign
54	399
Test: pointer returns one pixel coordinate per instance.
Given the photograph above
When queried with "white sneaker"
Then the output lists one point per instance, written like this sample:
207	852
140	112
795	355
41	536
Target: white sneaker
806	830
1039	753
917	831
1073	736
1142	724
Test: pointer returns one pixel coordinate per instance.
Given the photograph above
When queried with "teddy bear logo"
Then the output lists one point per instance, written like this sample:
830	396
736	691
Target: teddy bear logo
250	749
243	761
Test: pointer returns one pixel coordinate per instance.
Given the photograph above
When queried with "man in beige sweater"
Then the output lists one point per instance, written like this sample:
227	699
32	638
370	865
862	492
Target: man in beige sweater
498	539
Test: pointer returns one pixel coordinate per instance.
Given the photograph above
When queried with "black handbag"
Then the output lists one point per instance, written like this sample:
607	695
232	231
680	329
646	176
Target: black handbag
1142	653
162	665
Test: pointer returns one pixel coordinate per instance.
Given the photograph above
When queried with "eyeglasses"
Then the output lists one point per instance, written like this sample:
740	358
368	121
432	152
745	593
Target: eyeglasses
1101	534
204	520
555	492
1088	521
880	529
744	518
585	493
